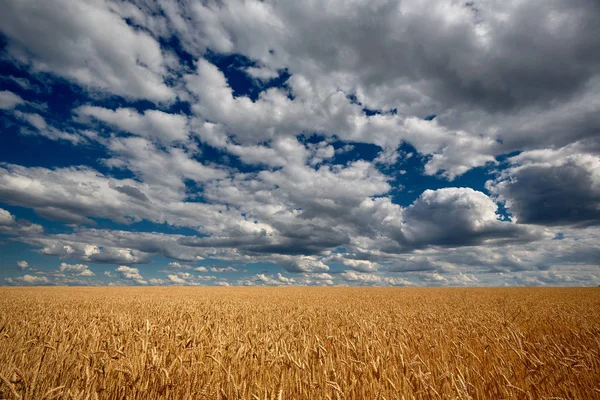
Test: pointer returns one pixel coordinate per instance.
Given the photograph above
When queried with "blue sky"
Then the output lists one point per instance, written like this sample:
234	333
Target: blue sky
380	143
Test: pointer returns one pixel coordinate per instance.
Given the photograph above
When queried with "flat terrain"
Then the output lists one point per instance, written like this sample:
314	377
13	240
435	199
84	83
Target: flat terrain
299	343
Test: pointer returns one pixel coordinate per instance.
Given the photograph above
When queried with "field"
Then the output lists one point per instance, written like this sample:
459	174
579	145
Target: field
299	343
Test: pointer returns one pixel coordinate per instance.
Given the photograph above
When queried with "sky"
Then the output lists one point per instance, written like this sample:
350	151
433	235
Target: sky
362	142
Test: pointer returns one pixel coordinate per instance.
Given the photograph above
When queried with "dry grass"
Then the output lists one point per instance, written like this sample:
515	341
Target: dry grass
299	343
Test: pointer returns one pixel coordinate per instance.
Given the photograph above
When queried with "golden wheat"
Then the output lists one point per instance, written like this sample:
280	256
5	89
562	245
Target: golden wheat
299	343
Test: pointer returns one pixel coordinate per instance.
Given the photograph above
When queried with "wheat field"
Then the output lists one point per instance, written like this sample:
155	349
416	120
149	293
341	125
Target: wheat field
299	343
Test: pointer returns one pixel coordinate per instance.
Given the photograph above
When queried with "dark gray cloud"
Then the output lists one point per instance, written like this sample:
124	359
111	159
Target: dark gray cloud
414	264
559	195
132	192
459	217
552	187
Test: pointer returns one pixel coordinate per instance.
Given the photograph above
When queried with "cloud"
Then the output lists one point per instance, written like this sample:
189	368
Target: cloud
23	264
560	276
65	274
358	265
152	124
25	84
274	114
31	280
459	217
89	252
9	225
76	269
131	192
265	280
447	217
189	279
168	168
489	82
317	279
366	41
35	120
551	187
263	74
224	269
175	279
8	100
301	263
6	218
297	210
109	55
363	278
459	279
131	274
51	193
571	249
114	246
176	265
349	55
453	151
44	129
